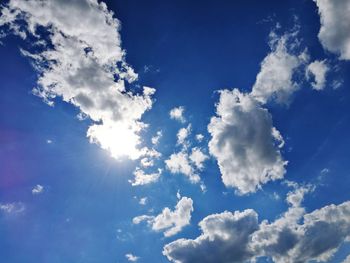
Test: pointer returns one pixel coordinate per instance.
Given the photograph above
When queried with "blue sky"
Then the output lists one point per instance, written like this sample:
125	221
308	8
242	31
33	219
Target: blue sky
102	107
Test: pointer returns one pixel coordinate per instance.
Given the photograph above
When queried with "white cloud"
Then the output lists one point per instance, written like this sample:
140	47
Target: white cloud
324	171
177	113
12	208
38	189
347	260
275	79
276	196
318	70
183	134
336	83
294	237
138	219
48	141
142	178
132	258
151	155
334	33
171	222
146	162
198	157
81	67
178	195
180	163
199	137
188	162
155	139
224	239
245	143
295	198
143	201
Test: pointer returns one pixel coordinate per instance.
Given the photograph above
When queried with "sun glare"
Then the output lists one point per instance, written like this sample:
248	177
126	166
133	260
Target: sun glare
119	140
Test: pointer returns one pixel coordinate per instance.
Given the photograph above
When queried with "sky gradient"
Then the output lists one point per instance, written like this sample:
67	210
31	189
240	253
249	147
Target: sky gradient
174	131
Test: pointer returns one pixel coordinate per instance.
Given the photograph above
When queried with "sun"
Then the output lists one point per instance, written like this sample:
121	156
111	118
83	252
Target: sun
120	140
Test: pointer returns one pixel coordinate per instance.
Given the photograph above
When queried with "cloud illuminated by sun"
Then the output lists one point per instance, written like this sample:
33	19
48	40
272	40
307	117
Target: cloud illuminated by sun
120	140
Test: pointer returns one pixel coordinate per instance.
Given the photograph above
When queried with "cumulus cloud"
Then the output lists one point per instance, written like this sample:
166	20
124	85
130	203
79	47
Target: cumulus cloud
38	189
180	163
187	161
143	201
132	258
199	137
276	77
224	239
183	134
171	222
138	219
295	237
334	33
198	157
142	178
347	260
177	113
294	198
245	143
149	159
244	140
316	238
318	70
82	62
147	162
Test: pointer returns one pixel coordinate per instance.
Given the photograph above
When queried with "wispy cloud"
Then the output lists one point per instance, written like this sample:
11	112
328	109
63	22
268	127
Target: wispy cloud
12	208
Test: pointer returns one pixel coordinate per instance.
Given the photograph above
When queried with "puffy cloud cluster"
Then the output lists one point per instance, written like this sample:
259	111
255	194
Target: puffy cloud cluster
145	175
177	113
143	201
171	222
197	157
276	77
243	138
81	61
318	70
150	157
334	33
295	237
347	260
183	134
181	163
224	239
188	162
131	258
142	178
199	137
244	142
